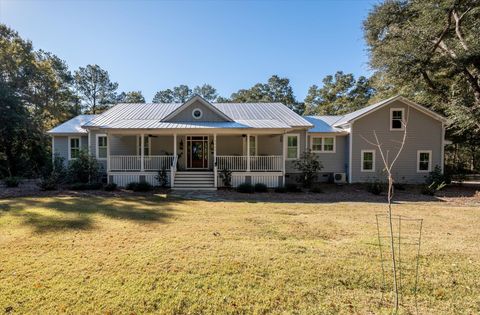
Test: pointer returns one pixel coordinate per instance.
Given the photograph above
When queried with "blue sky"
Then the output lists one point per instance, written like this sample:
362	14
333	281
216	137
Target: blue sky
152	45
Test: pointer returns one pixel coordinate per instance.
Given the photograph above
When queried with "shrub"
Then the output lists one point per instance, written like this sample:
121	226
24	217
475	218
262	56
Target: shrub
280	189
290	187
85	186
246	188
399	186
162	177
139	187
308	165
260	187
83	169
316	189
226	176
432	189
375	187
436	176
110	187
11	181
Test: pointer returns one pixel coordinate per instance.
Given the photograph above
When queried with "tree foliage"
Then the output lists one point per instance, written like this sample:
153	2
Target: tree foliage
429	51
95	88
340	94
130	97
276	89
182	93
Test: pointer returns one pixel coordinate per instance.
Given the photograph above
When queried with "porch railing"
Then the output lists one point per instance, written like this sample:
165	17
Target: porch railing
134	162
266	163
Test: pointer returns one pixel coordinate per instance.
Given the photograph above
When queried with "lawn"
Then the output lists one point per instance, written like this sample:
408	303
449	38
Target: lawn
135	254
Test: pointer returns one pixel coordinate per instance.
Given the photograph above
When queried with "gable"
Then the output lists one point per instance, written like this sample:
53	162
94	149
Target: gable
186	113
197	104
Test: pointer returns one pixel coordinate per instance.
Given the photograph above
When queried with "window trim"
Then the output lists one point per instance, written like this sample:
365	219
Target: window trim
201	113
297	135
391	118
362	160
323	144
429	161
138	148
96	146
245	142
70	146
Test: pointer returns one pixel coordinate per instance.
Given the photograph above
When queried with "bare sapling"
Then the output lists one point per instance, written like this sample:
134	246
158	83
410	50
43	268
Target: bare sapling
388	167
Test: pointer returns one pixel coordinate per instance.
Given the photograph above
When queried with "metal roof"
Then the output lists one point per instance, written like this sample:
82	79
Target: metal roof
351	116
324	123
73	125
245	115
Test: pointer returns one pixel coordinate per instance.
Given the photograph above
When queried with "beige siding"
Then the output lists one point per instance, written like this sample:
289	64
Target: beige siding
208	114
123	145
423	133
336	162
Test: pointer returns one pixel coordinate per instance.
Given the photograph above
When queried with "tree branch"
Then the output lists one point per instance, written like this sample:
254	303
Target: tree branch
458	31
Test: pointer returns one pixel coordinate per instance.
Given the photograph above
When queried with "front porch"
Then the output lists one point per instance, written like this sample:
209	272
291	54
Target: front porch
251	158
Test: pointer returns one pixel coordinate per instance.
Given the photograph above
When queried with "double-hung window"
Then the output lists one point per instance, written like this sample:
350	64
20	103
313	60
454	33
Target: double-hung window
73	148
101	146
368	161
424	161
146	148
323	144
293	147
397	119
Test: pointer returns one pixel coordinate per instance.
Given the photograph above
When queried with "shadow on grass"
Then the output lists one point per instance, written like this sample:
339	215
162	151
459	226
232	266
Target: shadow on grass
76	213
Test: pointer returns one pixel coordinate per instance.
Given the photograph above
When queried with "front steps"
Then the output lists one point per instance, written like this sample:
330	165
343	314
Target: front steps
194	180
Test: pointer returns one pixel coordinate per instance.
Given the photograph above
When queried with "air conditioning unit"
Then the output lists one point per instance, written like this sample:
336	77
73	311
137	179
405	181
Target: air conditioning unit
339	178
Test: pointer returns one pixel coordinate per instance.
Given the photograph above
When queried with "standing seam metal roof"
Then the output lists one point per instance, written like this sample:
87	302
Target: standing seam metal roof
247	115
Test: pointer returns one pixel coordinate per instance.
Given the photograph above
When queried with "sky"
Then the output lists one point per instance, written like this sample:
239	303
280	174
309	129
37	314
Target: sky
154	45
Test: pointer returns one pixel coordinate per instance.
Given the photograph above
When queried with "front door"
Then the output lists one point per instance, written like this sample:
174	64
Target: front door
197	152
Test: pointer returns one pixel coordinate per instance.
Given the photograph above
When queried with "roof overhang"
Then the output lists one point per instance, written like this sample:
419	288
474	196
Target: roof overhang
402	99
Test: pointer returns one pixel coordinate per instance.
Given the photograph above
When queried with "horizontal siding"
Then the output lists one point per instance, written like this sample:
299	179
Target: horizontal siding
207	113
423	133
333	162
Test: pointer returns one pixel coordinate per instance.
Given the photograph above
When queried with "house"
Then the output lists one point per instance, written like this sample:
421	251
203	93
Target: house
258	142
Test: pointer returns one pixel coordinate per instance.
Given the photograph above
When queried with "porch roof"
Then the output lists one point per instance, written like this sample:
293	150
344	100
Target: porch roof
156	124
244	115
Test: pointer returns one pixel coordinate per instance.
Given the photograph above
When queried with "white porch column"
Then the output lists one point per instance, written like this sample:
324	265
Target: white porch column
174	144
142	153
214	149
248	152
284	151
108	152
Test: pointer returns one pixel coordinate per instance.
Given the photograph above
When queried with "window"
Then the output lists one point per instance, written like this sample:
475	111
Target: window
101	146
396	119
328	144
197	113
146	148
323	144
424	161
73	148
316	144
293	148
368	161
253	145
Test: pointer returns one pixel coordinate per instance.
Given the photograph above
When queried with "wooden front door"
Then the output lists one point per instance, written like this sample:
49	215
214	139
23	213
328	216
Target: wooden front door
197	152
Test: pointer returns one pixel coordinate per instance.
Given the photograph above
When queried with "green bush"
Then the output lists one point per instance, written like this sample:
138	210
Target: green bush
260	187
246	188
433	188
162	177
48	183
11	181
226	176
290	187
84	169
139	187
85	186
309	165
375	187
280	189
316	189
436	176
399	186
110	187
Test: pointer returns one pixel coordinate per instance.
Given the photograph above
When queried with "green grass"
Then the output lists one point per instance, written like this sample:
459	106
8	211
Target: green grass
152	254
